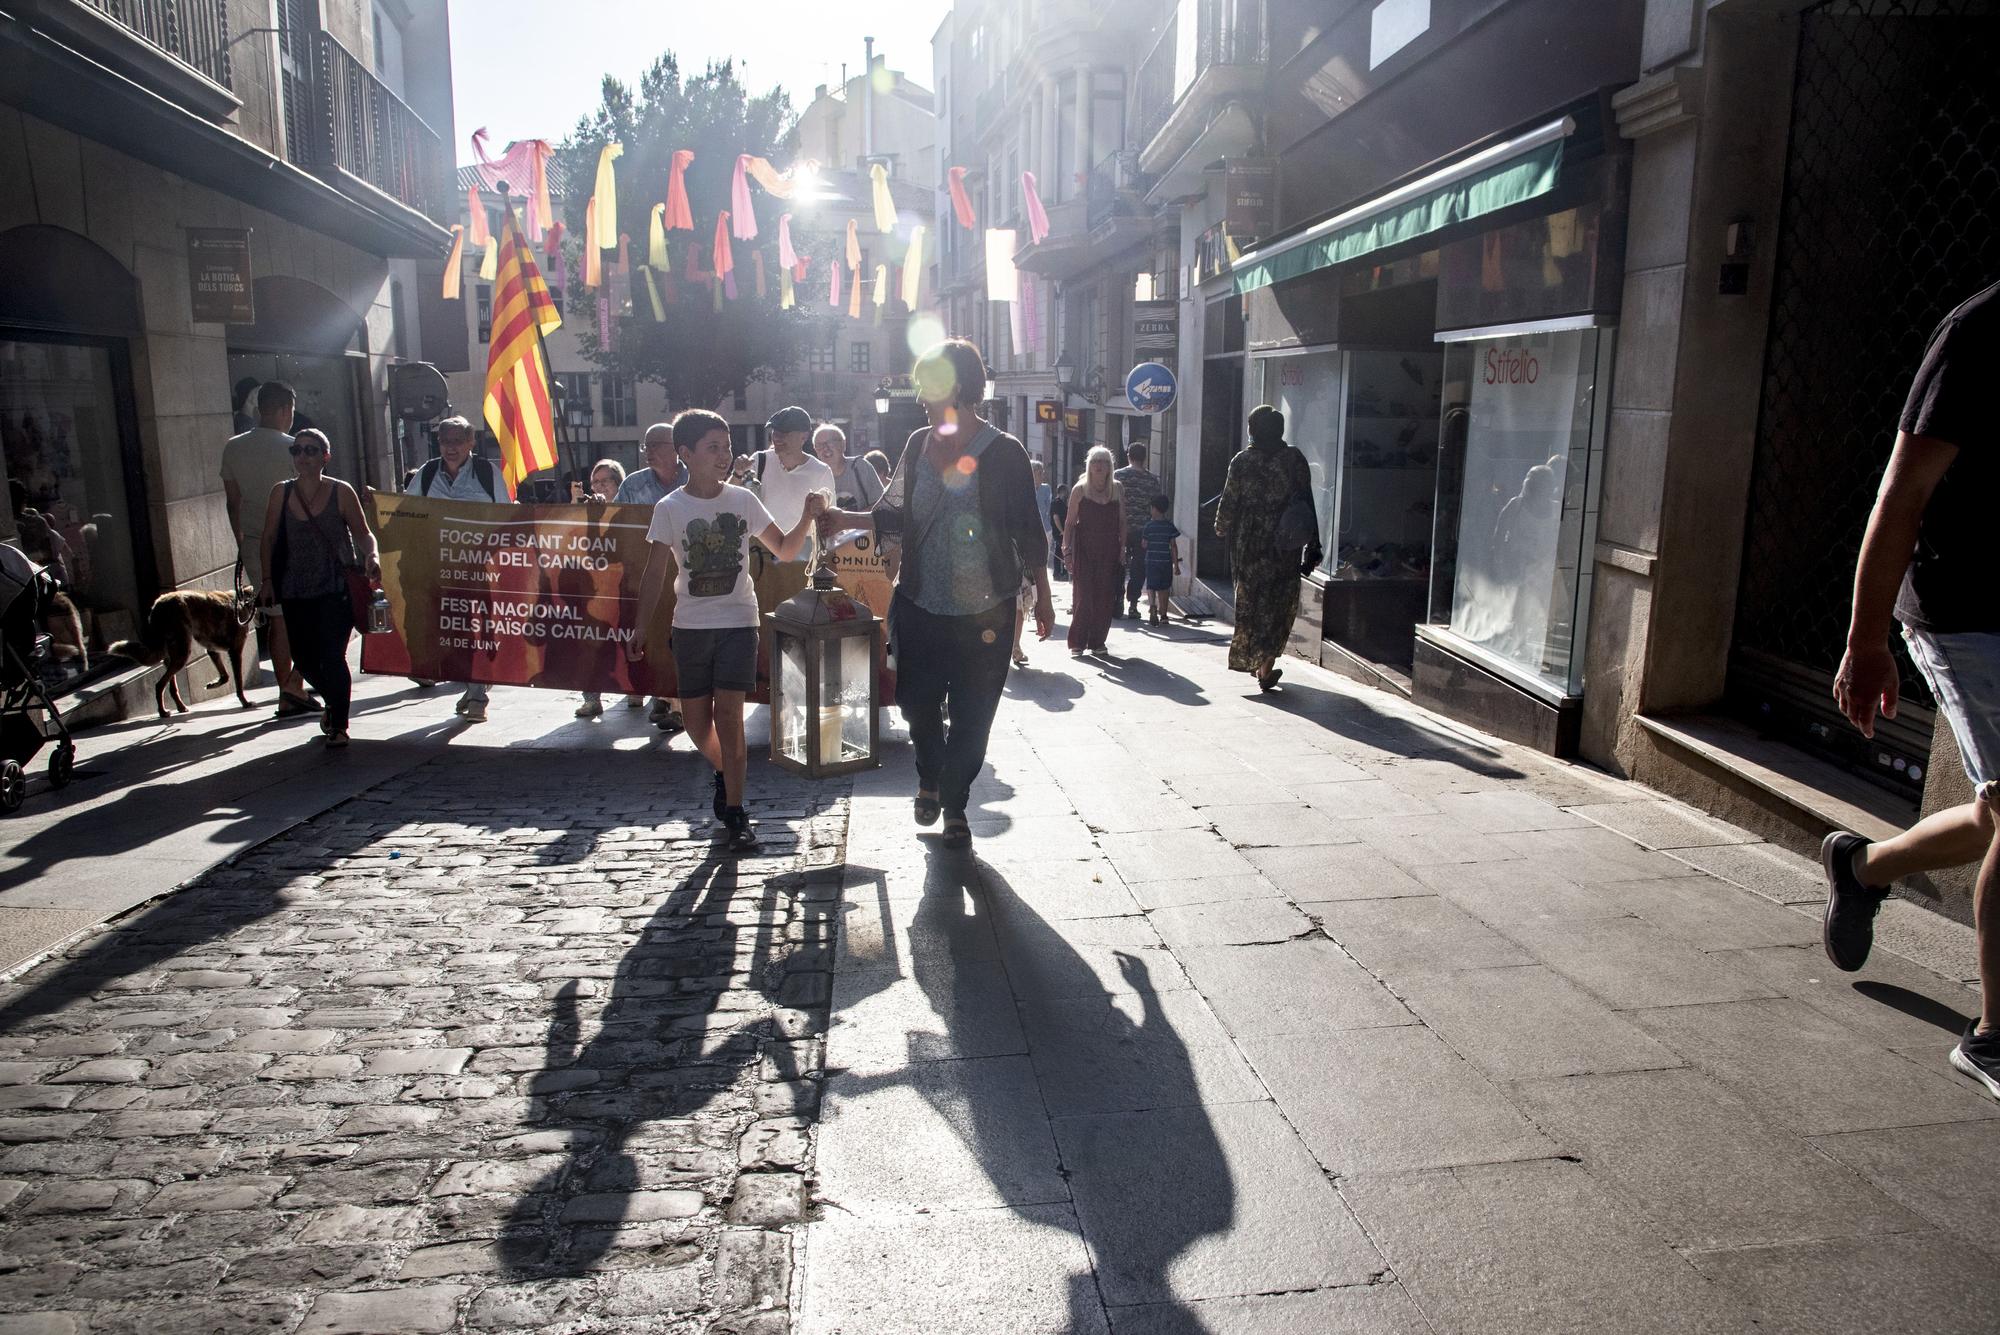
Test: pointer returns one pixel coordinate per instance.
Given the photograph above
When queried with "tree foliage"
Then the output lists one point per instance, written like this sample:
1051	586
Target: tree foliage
699	354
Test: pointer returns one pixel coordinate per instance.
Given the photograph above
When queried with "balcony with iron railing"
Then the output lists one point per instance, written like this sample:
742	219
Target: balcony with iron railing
178	49
1187	75
1111	190
345	126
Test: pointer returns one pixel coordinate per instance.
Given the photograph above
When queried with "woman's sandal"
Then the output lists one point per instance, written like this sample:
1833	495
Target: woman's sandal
926	810
1021	660
957	833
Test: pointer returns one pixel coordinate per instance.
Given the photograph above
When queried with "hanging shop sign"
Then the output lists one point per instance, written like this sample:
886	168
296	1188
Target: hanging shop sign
1047	410
1151	387
1155	326
219	275
1072	420
1248	187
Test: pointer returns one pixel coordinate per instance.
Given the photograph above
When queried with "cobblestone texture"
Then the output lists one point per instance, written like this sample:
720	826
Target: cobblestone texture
499	1045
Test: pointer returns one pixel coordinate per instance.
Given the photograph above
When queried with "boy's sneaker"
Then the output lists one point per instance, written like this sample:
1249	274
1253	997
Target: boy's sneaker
1978	1055
742	835
1849	929
720	806
474	711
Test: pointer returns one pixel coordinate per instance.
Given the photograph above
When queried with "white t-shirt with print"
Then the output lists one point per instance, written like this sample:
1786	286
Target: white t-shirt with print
711	542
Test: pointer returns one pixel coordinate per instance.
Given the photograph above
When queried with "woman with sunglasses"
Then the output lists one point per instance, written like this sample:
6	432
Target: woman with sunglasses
313	530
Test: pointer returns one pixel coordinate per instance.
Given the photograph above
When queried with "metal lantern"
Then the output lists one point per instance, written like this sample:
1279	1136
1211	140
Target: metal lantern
823	647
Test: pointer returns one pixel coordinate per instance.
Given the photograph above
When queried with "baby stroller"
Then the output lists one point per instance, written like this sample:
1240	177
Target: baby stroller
28	718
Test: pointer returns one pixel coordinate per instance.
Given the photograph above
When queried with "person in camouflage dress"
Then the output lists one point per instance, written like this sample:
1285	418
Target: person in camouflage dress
1263	478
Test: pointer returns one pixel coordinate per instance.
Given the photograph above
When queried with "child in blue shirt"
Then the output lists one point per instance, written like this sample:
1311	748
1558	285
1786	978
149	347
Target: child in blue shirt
1163	557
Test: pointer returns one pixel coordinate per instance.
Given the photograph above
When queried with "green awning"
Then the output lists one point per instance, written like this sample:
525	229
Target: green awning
1491	180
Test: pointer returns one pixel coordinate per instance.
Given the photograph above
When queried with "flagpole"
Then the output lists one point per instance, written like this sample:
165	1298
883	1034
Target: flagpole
559	424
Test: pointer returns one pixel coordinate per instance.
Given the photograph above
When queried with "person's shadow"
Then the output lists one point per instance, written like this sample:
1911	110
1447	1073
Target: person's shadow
1102	1075
652	1057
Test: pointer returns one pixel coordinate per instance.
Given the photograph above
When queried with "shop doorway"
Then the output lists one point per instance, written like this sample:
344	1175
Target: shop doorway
66	437
1887	224
328	398
311	340
1221	436
75	499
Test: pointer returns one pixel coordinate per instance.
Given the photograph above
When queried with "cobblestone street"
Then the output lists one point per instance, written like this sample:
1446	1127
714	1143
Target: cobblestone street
496	1046
1302	1012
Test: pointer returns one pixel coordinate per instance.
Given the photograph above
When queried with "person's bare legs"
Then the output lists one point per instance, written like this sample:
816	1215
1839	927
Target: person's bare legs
1949	838
727	709
715	726
1985	905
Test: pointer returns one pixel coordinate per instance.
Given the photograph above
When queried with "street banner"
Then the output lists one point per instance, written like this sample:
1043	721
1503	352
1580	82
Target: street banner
540	595
516	595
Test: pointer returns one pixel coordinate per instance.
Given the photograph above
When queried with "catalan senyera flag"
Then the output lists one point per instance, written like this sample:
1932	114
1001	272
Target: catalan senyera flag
519	408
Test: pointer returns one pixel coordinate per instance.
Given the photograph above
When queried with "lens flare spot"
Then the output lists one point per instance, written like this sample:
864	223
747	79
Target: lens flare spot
925	331
968	465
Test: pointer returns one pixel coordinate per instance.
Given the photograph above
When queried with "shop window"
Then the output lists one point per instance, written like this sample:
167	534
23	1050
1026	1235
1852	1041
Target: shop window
620	407
860	356
1519	478
66	483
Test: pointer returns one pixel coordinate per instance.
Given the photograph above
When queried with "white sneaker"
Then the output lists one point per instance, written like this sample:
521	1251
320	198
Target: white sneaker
474	710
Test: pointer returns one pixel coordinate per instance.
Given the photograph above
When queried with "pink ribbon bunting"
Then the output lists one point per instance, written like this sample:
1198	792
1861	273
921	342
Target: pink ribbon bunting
1031	201
742	214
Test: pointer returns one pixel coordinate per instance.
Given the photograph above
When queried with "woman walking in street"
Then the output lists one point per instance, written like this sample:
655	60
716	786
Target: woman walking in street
313	531
606	477
1094	551
963	503
1265	478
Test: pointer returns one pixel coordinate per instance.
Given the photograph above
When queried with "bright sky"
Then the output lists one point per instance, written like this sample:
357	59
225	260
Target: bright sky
572	44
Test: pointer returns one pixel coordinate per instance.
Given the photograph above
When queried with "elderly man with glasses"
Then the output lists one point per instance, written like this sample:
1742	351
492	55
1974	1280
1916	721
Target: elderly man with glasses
458	474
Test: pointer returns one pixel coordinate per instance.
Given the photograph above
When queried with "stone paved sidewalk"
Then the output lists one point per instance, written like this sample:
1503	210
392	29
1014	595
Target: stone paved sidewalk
498	1045
1312	1012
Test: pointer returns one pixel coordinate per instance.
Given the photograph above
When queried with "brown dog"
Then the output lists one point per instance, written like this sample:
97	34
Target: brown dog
175	625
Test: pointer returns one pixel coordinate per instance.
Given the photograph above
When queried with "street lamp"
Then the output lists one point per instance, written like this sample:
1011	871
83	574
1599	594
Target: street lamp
882	399
1065	369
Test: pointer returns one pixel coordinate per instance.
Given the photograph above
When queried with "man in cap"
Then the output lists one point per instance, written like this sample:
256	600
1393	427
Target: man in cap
784	476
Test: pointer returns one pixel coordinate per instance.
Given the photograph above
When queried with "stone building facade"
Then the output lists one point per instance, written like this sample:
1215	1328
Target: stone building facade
311	135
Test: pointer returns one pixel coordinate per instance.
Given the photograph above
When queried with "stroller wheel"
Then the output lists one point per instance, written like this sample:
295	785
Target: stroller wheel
13	786
62	764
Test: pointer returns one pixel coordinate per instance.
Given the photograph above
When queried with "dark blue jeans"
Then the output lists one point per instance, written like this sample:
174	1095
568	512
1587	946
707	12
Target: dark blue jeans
1135	571
960	662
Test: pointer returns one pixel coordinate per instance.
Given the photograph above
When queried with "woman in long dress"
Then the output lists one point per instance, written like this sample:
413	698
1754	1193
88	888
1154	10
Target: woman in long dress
1264	478
1094	550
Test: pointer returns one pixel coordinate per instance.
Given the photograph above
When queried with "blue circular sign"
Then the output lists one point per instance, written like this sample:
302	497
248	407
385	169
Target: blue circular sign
1151	387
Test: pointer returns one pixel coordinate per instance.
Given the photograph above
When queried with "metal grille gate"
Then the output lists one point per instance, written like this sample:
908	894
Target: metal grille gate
1891	181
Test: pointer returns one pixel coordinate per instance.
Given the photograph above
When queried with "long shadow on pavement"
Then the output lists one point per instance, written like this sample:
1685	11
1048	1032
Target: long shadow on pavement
1116	1093
654	1055
1352	717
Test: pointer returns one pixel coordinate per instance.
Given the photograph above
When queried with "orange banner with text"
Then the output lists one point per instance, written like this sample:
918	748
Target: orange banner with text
544	595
